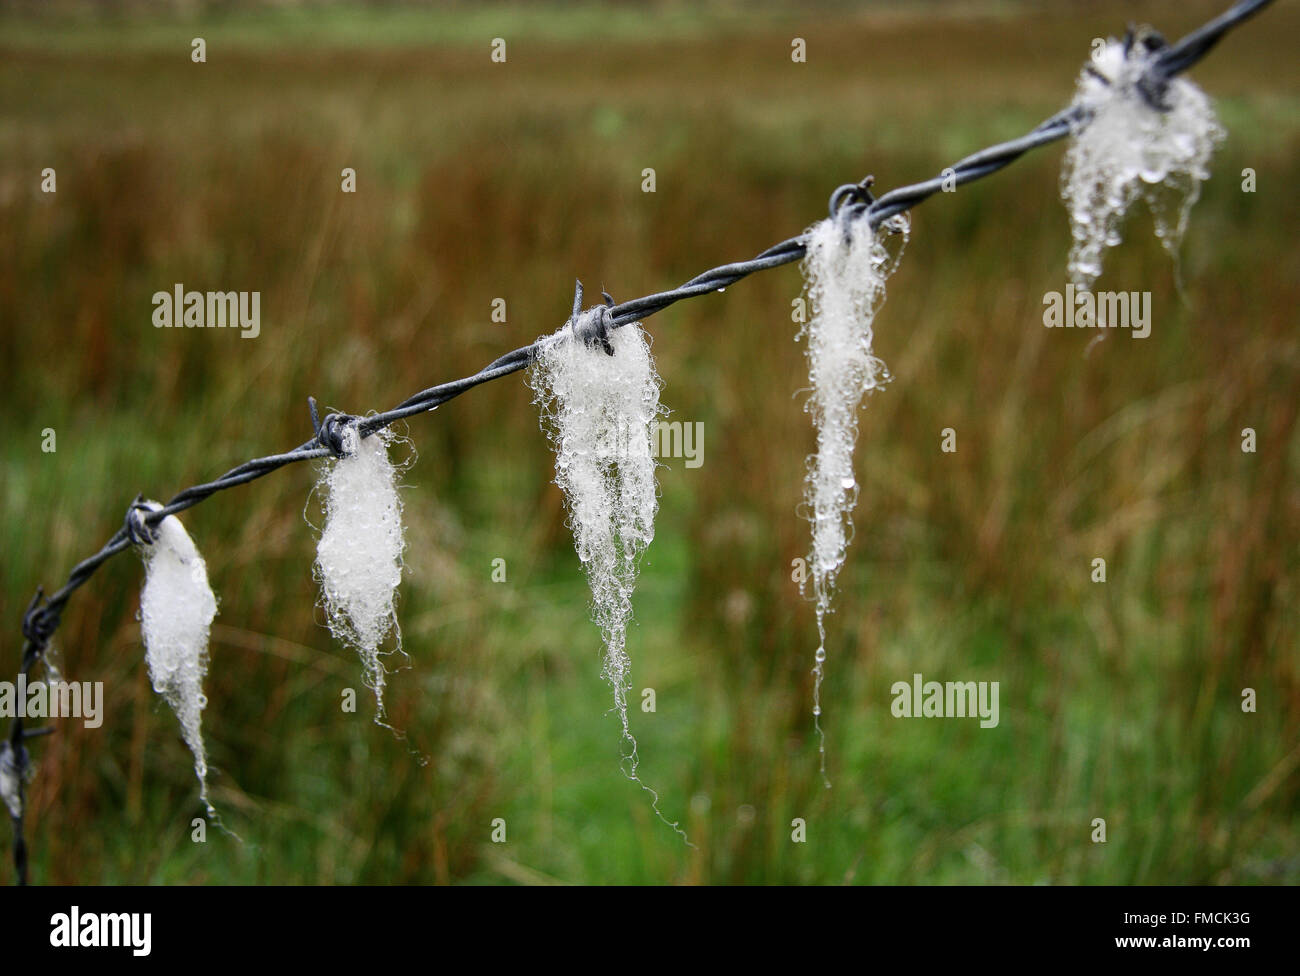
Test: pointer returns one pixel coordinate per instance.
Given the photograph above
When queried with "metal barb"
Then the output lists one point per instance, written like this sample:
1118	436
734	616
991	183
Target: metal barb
136	523
330	431
854	196
577	299
38	622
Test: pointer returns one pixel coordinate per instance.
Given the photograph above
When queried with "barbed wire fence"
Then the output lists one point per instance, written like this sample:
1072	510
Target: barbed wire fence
852	201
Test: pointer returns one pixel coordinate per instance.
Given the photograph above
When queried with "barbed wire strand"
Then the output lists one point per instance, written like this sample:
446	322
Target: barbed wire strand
853	201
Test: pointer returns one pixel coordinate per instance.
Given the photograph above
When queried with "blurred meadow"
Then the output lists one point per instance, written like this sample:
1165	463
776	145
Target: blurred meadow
478	180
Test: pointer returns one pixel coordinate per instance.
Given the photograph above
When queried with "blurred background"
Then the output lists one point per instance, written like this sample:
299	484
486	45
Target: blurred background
478	180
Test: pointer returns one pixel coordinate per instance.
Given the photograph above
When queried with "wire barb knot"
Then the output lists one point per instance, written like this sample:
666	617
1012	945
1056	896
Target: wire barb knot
39	621
852	198
137	528
330	431
1153	84
593	326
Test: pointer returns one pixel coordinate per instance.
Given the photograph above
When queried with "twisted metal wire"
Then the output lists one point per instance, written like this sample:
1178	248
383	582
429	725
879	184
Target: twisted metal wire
851	201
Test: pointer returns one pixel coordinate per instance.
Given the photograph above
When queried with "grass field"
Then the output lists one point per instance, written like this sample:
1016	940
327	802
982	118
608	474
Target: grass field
479	180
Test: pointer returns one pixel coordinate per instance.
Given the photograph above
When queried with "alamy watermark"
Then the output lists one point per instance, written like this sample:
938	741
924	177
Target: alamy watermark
1080	308
667	439
179	308
53	699
949	699
76	929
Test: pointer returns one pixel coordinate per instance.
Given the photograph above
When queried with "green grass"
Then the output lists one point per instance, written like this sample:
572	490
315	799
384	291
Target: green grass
476	181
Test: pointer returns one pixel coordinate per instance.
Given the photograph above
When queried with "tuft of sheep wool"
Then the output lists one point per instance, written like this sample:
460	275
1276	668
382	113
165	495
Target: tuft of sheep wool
597	410
845	269
359	557
177	607
1130	149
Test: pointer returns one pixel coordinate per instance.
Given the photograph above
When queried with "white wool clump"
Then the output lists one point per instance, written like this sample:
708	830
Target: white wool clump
10	780
597	410
1128	149
177	606
359	557
845	270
